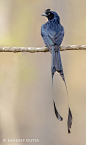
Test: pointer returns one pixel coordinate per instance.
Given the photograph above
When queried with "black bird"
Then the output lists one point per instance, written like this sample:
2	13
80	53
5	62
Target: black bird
53	32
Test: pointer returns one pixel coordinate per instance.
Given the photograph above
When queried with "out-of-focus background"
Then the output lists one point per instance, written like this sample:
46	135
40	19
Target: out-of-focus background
25	79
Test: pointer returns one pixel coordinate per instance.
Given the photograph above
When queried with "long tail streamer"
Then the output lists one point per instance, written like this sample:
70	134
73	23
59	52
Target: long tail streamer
69	122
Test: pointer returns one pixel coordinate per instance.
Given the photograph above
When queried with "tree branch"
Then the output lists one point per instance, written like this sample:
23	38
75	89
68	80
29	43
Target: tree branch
41	49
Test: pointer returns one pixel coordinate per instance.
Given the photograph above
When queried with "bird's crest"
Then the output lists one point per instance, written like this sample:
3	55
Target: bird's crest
47	11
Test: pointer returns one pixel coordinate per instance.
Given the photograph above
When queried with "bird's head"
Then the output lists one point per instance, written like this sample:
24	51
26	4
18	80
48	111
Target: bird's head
51	14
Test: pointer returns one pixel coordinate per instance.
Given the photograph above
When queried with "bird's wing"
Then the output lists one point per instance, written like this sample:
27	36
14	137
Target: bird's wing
46	37
58	37
52	37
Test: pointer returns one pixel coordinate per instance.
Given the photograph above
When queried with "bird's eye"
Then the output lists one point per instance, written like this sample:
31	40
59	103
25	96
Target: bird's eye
48	13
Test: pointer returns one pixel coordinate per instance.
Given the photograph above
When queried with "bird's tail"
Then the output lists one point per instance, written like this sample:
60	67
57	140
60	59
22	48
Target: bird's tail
56	62
57	66
55	109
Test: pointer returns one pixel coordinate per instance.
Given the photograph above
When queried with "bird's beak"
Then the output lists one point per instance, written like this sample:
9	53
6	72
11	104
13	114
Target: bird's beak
44	15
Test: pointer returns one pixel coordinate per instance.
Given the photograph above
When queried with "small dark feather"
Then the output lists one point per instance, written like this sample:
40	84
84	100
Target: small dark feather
47	11
56	112
69	123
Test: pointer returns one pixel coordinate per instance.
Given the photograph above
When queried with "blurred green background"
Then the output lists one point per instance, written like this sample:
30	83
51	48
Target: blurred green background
25	78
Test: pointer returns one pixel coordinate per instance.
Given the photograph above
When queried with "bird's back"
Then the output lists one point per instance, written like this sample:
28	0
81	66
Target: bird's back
53	31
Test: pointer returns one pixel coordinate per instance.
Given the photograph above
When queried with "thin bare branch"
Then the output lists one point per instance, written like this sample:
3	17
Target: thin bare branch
41	49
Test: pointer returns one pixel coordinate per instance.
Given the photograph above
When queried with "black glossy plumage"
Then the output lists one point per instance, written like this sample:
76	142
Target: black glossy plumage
53	32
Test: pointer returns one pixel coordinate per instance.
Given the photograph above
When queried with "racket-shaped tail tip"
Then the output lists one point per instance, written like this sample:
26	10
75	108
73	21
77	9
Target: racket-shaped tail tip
56	113
69	123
